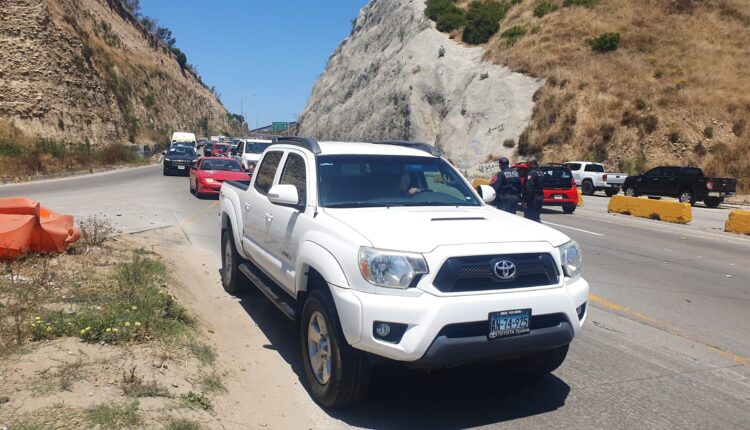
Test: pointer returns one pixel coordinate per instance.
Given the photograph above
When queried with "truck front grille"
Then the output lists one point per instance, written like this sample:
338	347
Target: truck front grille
477	273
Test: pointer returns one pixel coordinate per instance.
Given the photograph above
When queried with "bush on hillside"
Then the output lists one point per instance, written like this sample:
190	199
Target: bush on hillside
436	8
450	21
513	34
587	3
181	57
544	8
483	21
605	42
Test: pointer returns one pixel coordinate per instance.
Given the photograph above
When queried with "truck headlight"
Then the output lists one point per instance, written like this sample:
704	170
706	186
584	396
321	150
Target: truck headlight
570	255
390	269
168	160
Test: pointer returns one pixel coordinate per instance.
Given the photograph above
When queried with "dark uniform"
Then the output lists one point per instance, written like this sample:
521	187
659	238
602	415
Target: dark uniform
508	189
533	195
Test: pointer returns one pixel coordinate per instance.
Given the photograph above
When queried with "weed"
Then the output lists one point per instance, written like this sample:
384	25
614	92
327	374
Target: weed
640	104
183	424
513	34
738	127
587	3
195	399
441	51
674	136
204	353
114	416
211	383
95	230
509	143
484	76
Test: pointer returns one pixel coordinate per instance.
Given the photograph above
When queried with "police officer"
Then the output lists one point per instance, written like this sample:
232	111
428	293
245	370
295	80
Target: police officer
507	187
533	193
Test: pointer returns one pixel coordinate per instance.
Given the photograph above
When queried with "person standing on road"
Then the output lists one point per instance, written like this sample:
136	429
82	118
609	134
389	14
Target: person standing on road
533	193
507	187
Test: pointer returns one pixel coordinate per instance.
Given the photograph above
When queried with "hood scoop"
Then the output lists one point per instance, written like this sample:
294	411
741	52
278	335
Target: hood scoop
460	219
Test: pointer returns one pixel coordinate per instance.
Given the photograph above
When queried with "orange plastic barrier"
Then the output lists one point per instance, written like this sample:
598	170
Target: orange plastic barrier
25	226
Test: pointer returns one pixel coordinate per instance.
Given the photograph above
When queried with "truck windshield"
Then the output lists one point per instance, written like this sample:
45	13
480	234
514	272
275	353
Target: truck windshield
256	148
347	181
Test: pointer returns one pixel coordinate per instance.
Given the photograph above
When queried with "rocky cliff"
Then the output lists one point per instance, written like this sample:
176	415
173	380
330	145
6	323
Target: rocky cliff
85	71
396	77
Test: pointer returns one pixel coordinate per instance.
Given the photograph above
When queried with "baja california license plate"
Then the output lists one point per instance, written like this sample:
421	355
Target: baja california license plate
509	323
180	167
558	197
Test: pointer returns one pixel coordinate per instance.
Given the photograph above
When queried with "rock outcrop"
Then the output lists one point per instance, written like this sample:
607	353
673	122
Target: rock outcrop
396	77
85	71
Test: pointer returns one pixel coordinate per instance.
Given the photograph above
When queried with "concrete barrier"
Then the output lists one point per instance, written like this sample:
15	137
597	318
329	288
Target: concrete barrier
675	212
479	181
580	197
738	222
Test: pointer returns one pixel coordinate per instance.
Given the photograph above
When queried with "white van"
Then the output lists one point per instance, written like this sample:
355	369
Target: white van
183	137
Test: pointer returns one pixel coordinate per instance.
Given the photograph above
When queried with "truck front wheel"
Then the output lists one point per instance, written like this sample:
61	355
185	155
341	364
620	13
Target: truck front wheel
712	202
336	374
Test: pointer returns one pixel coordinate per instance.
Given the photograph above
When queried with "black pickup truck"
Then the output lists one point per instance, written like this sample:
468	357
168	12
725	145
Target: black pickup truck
685	183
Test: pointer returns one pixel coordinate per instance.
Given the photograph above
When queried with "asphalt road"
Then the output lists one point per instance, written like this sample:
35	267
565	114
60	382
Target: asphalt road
666	344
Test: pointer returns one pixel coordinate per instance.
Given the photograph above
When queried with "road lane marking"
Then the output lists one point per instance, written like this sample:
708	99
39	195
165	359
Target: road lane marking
635	315
573	228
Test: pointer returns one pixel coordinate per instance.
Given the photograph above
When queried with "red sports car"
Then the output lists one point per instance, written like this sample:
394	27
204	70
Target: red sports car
208	173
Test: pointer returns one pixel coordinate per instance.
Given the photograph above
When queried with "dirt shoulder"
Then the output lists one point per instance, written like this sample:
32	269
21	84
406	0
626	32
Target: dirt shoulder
95	338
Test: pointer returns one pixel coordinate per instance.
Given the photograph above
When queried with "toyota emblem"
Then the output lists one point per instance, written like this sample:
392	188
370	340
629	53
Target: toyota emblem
505	270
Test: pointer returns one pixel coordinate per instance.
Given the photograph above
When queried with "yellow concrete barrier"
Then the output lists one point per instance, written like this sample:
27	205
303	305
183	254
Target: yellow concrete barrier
738	222
479	181
580	197
676	212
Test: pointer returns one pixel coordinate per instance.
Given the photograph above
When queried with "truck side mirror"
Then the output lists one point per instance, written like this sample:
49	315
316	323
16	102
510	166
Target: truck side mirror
163	152
487	193
284	195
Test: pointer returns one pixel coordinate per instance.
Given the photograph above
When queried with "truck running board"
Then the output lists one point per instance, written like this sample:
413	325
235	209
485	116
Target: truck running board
269	290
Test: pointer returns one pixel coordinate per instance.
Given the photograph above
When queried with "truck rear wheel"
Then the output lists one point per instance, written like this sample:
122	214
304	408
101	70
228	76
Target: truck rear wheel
610	192
540	363
712	202
587	188
231	278
336	374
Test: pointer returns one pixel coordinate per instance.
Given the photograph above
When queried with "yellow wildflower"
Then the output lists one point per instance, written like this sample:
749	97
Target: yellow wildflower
135	308
38	318
115	330
127	324
83	331
33	325
49	328
109	330
137	324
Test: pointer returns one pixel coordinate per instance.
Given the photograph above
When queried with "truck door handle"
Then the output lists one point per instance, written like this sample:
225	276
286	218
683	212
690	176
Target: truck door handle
248	206
269	217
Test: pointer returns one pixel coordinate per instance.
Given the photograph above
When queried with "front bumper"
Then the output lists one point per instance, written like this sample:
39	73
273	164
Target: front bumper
173	168
425	342
213	188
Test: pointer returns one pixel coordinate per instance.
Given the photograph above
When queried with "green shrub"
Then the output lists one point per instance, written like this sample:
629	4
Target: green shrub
436	8
605	42
587	3
114	416
483	21
513	34
544	8
450	21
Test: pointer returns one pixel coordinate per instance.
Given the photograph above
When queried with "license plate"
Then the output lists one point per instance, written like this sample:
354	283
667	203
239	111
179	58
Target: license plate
180	167
509	323
558	197
714	194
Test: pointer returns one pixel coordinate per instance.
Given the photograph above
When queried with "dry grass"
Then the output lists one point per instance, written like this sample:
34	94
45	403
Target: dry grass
681	67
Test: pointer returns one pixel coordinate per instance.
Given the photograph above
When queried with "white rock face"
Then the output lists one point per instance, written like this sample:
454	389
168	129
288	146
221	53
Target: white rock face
397	77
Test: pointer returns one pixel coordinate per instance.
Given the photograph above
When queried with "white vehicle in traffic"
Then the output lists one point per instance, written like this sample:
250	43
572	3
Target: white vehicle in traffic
183	137
383	251
248	152
592	177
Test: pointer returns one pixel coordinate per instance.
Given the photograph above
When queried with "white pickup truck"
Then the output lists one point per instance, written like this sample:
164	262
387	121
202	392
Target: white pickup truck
248	152
383	251
592	177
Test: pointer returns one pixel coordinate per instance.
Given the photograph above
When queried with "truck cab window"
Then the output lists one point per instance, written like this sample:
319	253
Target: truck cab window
295	174
267	172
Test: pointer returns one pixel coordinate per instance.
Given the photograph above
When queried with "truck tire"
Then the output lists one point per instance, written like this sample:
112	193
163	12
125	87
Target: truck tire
687	196
232	279
712	202
630	191
587	188
569	209
610	192
336	374
541	363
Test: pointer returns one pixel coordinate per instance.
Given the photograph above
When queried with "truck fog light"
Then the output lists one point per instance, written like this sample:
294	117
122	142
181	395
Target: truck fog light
383	330
388	331
580	310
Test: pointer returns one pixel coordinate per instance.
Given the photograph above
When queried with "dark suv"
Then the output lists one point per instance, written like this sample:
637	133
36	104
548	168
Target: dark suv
688	184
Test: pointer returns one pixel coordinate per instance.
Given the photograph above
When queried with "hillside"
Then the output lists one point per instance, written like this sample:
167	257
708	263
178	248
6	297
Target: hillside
86	73
676	89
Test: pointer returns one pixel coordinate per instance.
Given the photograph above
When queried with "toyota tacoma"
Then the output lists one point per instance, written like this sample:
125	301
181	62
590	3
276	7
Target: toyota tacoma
383	251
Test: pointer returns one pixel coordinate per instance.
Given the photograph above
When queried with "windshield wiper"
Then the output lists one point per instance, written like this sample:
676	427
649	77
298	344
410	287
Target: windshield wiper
346	205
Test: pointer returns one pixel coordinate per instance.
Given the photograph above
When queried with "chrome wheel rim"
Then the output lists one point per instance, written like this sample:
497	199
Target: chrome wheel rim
227	263
319	348
629	192
685	197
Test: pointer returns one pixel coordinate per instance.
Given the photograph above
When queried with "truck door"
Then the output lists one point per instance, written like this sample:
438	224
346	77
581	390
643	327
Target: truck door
284	234
669	181
256	209
651	181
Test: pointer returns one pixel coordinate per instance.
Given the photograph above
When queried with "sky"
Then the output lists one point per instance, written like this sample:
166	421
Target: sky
263	57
